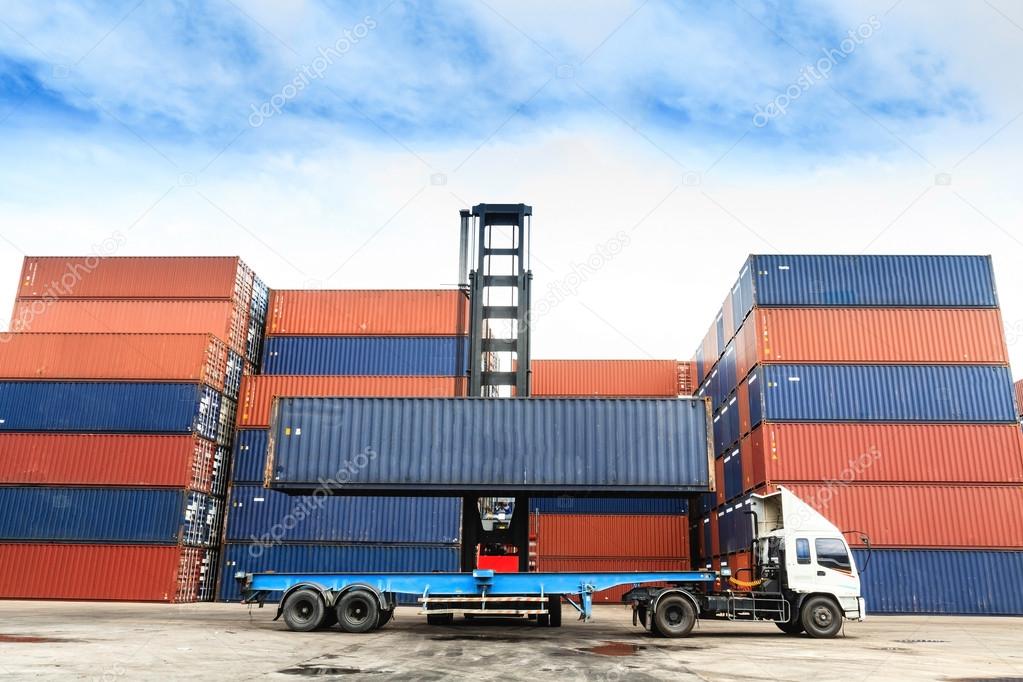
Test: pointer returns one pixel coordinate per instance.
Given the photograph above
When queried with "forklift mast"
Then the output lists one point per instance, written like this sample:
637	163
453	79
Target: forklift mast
493	271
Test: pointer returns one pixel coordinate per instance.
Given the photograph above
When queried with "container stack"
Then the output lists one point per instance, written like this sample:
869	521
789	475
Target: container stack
609	534
877	388
117	387
344	343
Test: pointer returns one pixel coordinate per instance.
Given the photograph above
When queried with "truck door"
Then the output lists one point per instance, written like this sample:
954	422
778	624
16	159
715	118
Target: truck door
800	565
833	569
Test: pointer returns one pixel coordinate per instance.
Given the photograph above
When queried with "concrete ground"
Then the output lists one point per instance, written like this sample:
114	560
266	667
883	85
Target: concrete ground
229	641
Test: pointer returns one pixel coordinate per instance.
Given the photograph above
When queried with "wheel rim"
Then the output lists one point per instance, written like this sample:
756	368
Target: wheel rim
357	611
673	615
822	617
304	610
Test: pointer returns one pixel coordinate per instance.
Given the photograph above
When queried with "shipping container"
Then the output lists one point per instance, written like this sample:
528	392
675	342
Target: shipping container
258	391
917	515
884	393
907	281
198	358
535	445
369	312
133	277
256	514
223	319
106	572
109	407
249	456
1019	396
871	335
970	582
329	558
126	515
611	535
935	453
257	320
606	378
567	504
149	461
367	355
610	565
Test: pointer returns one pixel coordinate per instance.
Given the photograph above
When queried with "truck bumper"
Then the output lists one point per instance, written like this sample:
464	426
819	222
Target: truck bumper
855	608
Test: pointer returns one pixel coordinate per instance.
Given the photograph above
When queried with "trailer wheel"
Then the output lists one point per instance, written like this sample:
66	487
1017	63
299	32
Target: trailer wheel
358	611
304	610
385	617
821	618
554	609
790	627
675	616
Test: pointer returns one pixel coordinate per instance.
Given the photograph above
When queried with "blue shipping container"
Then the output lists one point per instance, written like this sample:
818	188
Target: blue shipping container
256	514
566	504
314	558
130	515
537	446
967	582
109	407
367	355
882	393
249	456
733	475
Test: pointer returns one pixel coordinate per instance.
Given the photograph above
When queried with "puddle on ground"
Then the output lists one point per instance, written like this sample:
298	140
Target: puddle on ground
29	639
615	649
327	671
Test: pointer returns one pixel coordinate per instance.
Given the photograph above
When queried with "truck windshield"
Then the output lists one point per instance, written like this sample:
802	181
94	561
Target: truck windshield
831	553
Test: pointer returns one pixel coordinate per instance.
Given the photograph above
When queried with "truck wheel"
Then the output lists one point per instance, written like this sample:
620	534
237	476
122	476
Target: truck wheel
358	611
675	616
554	607
303	610
440	619
385	617
791	627
821	618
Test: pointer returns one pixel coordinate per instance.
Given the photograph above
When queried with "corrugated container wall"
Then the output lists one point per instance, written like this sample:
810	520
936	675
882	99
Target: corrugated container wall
367	355
1018	386
121	277
619	378
249	456
256	514
602	535
368	312
559	445
149	461
106	572
128	515
608	505
258	391
130	357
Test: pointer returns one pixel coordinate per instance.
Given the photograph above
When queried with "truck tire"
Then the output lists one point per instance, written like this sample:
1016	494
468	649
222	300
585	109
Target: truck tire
675	616
554	607
440	619
791	627
329	619
385	617
821	618
358	611
303	610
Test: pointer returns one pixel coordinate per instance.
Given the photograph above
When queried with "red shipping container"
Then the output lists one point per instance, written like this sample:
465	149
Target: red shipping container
965	453
745	350
686	377
222	319
1019	396
384	312
898	335
223	278
258	391
609	565
150	461
715	539
123	357
626	378
105	572
611	535
719	479
915	515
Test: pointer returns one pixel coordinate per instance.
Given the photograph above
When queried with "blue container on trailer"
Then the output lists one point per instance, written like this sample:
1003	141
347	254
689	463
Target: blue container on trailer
125	515
249	456
537	446
367	355
907	281
109	407
330	558
256	514
949	581
881	393
566	504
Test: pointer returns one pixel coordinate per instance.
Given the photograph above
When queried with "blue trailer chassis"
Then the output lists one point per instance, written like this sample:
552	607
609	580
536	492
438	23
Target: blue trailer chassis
256	587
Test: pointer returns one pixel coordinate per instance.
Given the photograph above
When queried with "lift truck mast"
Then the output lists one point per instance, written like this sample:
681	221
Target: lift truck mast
493	270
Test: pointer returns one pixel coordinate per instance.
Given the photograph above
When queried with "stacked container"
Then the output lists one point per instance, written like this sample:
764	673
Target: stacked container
609	534
344	343
877	388
116	416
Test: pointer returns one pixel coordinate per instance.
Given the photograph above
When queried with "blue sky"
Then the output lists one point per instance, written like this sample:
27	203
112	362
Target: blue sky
331	144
